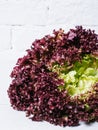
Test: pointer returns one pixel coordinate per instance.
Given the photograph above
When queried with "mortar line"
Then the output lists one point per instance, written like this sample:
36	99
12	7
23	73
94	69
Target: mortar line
11	44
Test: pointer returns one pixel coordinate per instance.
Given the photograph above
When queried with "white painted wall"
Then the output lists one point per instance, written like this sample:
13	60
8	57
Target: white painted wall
21	21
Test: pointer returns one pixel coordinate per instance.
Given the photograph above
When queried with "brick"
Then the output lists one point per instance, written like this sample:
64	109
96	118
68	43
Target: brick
5	38
23	12
73	12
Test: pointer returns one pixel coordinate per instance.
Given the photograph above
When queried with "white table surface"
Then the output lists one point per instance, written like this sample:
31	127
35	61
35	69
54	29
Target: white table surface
15	120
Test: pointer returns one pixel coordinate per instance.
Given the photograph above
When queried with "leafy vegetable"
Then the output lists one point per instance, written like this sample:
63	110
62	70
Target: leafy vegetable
82	76
57	80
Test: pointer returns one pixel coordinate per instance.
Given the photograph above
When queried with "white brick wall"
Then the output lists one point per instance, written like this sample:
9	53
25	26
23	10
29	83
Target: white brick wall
21	21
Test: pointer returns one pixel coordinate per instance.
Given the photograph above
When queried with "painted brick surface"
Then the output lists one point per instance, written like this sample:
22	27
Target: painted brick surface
22	21
76	12
23	12
5	39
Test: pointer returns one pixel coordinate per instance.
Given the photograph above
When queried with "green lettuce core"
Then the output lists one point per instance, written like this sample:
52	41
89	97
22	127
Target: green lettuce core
80	77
